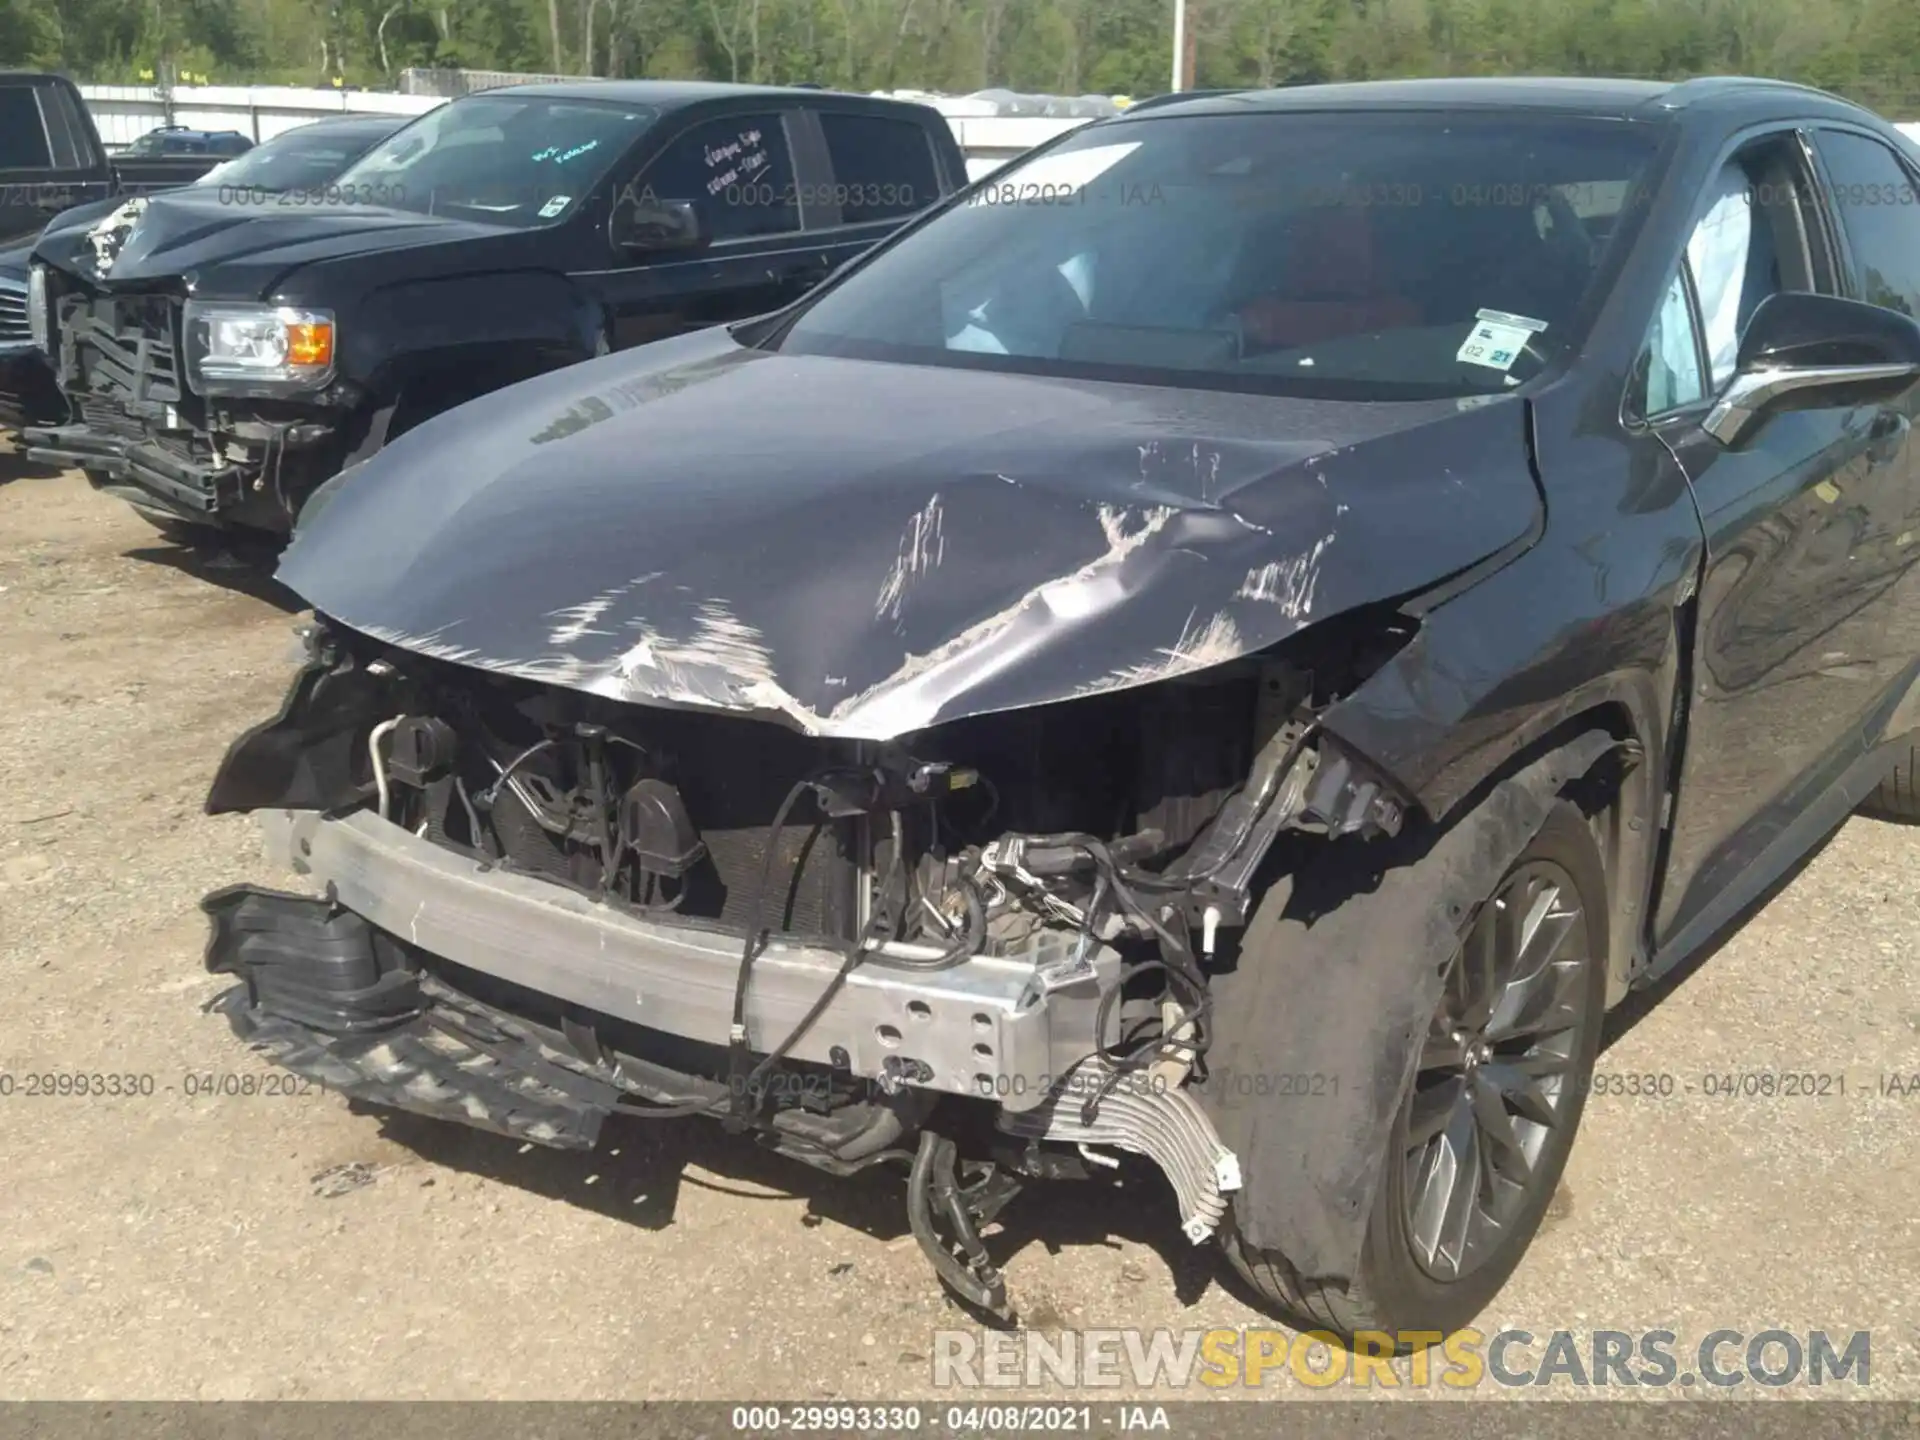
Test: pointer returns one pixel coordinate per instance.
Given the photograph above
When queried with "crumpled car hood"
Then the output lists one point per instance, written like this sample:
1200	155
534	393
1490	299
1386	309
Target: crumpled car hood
191	230
864	550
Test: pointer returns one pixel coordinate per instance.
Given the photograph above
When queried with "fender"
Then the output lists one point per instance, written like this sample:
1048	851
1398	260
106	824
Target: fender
1334	984
528	320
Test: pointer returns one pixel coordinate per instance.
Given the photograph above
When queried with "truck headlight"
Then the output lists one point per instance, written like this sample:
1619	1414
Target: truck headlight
268	348
39	323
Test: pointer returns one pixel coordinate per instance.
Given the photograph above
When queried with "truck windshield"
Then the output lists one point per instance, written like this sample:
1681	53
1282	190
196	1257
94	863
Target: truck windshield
507	160
1360	255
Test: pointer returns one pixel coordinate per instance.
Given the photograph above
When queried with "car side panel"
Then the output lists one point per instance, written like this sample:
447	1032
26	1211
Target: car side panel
1587	620
1805	625
490	328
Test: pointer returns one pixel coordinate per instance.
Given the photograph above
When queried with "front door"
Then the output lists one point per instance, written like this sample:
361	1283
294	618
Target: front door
1783	668
738	171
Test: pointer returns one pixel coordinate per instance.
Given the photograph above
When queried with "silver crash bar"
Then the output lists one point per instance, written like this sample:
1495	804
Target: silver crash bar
985	1027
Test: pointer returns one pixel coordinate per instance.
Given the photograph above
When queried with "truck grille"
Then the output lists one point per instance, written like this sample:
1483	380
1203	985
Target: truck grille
109	419
13	317
124	348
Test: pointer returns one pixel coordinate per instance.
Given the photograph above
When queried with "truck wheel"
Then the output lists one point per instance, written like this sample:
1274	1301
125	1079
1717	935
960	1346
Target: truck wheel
1898	796
1485	1128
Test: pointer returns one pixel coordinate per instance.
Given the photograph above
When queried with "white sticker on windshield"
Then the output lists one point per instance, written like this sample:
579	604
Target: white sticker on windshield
554	206
1053	174
1497	339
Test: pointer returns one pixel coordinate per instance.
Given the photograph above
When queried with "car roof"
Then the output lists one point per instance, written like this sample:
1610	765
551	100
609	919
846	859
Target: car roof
1624	99
677	94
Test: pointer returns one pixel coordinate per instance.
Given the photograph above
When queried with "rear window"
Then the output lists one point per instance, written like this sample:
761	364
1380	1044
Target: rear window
881	168
1365	255
295	159
23	135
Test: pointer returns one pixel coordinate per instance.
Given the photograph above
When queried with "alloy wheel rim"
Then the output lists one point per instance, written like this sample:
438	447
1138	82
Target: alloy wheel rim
1495	1081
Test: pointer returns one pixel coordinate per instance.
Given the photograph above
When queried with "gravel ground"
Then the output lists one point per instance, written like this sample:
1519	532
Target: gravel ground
163	1246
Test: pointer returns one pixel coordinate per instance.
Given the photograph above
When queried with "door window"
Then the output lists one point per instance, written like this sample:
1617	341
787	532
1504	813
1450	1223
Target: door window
1718	252
1873	197
1753	239
23	138
1670	375
737	172
882	168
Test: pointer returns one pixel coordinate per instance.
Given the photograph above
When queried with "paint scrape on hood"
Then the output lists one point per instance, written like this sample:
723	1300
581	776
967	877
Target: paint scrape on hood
864	550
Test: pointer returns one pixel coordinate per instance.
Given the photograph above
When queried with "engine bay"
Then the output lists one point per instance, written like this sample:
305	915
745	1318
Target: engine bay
1103	852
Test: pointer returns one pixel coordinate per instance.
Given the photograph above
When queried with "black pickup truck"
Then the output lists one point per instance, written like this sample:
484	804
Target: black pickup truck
51	158
224	354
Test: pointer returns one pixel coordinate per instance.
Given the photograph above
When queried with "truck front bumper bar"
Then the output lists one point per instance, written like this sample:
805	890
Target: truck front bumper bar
192	491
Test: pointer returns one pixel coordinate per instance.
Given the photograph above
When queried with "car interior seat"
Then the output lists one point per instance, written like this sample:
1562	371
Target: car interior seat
1330	282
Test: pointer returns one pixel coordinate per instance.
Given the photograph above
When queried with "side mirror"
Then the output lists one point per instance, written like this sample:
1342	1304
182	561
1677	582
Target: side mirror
658	225
1814	352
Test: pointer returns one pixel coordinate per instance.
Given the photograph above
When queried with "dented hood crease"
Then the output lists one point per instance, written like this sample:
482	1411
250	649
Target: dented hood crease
863	550
227	245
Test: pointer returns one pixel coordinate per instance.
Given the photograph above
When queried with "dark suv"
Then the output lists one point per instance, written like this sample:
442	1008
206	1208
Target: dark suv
181	140
225	353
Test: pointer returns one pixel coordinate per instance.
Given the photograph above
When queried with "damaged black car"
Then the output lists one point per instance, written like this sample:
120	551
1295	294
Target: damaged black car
1236	642
227	347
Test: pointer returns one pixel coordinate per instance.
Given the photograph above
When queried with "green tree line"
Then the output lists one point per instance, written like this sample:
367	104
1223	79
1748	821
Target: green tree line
1869	49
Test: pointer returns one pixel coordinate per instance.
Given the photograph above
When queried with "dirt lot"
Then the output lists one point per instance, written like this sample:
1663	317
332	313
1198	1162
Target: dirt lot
280	1247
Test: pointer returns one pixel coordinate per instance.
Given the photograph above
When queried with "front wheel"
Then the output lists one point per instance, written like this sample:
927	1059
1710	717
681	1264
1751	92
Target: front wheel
1484	1129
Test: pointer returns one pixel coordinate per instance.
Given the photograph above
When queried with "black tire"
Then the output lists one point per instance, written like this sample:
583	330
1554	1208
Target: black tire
1394	1292
1898	796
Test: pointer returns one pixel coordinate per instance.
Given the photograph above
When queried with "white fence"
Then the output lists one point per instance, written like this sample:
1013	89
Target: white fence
123	113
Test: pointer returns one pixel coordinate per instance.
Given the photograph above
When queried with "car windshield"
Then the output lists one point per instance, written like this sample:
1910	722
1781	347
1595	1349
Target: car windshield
508	160
1358	255
296	159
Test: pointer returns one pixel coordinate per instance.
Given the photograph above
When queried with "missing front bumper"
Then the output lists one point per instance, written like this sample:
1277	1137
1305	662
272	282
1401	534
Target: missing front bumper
184	487
328	997
350	992
984	1028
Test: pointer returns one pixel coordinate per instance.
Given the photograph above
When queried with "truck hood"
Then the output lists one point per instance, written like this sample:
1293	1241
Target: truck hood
863	550
229	249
